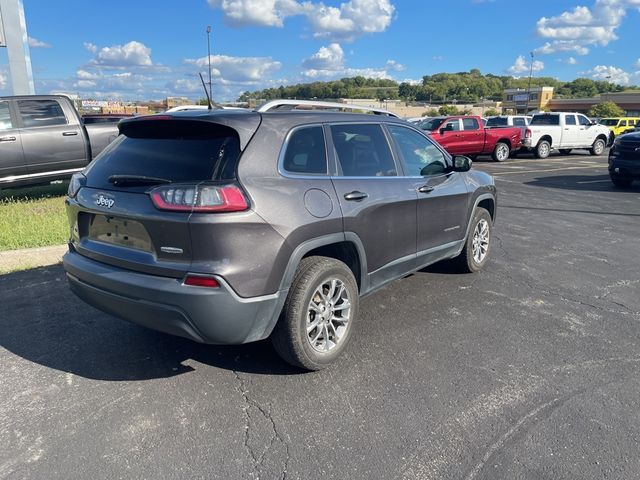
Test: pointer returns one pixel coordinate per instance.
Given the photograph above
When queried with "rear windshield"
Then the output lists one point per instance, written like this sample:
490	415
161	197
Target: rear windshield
497	122
176	151
545	120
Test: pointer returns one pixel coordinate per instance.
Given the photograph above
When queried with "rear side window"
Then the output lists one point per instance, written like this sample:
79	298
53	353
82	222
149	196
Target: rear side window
519	122
363	151
497	122
180	151
41	113
470	124
306	152
5	116
545	120
570	120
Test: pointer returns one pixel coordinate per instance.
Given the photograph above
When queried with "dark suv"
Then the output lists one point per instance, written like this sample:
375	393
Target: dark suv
624	160
229	227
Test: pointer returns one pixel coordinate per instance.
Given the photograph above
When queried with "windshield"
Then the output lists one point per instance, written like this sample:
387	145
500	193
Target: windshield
497	122
431	124
545	120
609	122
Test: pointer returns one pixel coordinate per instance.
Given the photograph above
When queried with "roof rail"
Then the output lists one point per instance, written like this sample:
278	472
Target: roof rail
315	105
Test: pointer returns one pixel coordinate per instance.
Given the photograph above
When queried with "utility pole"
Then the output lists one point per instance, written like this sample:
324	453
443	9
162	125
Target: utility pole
209	57
13	36
526	108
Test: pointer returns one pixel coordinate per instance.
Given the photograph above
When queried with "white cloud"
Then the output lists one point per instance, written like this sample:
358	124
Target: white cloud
638	63
521	66
237	69
437	58
132	54
185	86
35	43
327	58
351	19
90	47
571	61
608	73
576	29
328	63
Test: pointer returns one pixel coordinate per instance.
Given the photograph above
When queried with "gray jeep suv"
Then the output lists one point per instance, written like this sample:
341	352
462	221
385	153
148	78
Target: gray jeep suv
228	227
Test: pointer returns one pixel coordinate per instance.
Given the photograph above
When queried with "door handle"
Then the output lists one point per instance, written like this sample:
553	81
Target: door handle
426	189
7	139
566	129
355	196
69	134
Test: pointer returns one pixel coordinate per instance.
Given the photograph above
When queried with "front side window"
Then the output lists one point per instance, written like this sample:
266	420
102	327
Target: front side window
306	152
421	157
570	120
5	116
452	125
362	151
41	113
582	120
623	123
470	124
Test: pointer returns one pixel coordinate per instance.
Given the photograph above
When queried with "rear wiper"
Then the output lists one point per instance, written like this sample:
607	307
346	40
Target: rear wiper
132	180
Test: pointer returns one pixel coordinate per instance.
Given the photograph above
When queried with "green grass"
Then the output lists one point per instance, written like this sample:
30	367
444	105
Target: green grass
33	217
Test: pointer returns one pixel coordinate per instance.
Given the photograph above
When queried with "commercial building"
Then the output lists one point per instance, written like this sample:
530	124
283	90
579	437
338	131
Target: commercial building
628	101
520	100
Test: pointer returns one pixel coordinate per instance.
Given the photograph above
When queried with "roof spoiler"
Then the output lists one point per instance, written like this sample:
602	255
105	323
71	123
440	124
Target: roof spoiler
288	105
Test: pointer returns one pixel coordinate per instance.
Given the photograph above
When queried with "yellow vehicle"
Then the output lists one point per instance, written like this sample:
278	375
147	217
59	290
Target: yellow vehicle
620	125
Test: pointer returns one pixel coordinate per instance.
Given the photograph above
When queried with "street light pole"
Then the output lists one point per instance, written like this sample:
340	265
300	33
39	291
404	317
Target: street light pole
526	108
209	56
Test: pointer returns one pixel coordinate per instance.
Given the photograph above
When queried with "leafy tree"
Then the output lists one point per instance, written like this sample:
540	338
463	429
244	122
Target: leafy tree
605	109
492	112
432	112
448	110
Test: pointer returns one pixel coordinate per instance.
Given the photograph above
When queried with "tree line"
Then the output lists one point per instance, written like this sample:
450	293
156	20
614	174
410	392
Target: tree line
441	88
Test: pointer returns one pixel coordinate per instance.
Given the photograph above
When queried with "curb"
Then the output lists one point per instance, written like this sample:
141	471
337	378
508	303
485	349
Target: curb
26	258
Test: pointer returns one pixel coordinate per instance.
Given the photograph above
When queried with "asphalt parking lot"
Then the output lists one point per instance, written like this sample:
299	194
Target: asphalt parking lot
529	369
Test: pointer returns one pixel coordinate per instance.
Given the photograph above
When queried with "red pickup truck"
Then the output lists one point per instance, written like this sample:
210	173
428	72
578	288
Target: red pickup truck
466	135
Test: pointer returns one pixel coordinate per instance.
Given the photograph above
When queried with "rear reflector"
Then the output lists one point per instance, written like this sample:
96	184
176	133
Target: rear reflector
199	281
199	198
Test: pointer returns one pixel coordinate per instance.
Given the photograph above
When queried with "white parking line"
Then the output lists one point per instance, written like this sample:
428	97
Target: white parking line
550	170
596	181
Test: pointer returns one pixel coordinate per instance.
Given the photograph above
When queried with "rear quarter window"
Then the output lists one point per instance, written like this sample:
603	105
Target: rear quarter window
183	151
305	152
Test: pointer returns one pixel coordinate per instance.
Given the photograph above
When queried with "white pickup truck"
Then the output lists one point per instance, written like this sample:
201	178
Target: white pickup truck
564	132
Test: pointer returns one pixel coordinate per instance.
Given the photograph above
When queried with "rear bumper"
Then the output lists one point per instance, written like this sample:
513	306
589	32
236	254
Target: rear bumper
206	315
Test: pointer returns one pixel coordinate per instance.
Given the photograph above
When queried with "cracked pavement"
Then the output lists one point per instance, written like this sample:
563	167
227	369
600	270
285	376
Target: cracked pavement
529	369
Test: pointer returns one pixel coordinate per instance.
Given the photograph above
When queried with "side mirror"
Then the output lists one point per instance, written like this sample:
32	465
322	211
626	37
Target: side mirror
442	130
461	163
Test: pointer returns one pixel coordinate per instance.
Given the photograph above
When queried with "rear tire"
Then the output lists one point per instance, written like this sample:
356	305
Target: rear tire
598	147
500	152
543	149
317	319
621	182
565	151
477	247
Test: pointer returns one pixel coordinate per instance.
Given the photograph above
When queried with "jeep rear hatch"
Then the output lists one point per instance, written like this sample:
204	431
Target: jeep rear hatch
135	200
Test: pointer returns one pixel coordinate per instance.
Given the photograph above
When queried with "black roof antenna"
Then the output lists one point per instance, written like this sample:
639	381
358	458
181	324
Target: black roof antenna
206	92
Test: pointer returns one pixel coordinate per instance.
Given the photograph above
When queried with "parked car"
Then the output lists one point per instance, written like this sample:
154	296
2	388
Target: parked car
521	121
42	138
564	132
466	135
91	118
620	125
231	227
624	160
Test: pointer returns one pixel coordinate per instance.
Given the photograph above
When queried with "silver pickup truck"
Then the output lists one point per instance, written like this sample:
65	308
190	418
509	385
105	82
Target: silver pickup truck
42	138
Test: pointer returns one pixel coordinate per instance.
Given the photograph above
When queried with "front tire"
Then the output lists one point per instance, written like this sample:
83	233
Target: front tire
500	152
543	149
598	147
317	319
621	182
475	253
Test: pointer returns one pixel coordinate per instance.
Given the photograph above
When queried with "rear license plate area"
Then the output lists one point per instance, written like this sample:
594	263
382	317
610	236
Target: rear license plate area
119	231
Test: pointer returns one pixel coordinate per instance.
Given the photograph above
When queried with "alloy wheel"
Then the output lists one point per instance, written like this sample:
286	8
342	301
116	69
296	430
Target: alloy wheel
328	315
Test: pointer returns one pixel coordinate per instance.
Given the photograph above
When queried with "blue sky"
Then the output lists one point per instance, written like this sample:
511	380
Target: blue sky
143	49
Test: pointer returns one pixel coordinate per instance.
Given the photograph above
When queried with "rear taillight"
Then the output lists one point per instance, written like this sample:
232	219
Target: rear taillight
201	281
199	198
527	133
78	180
